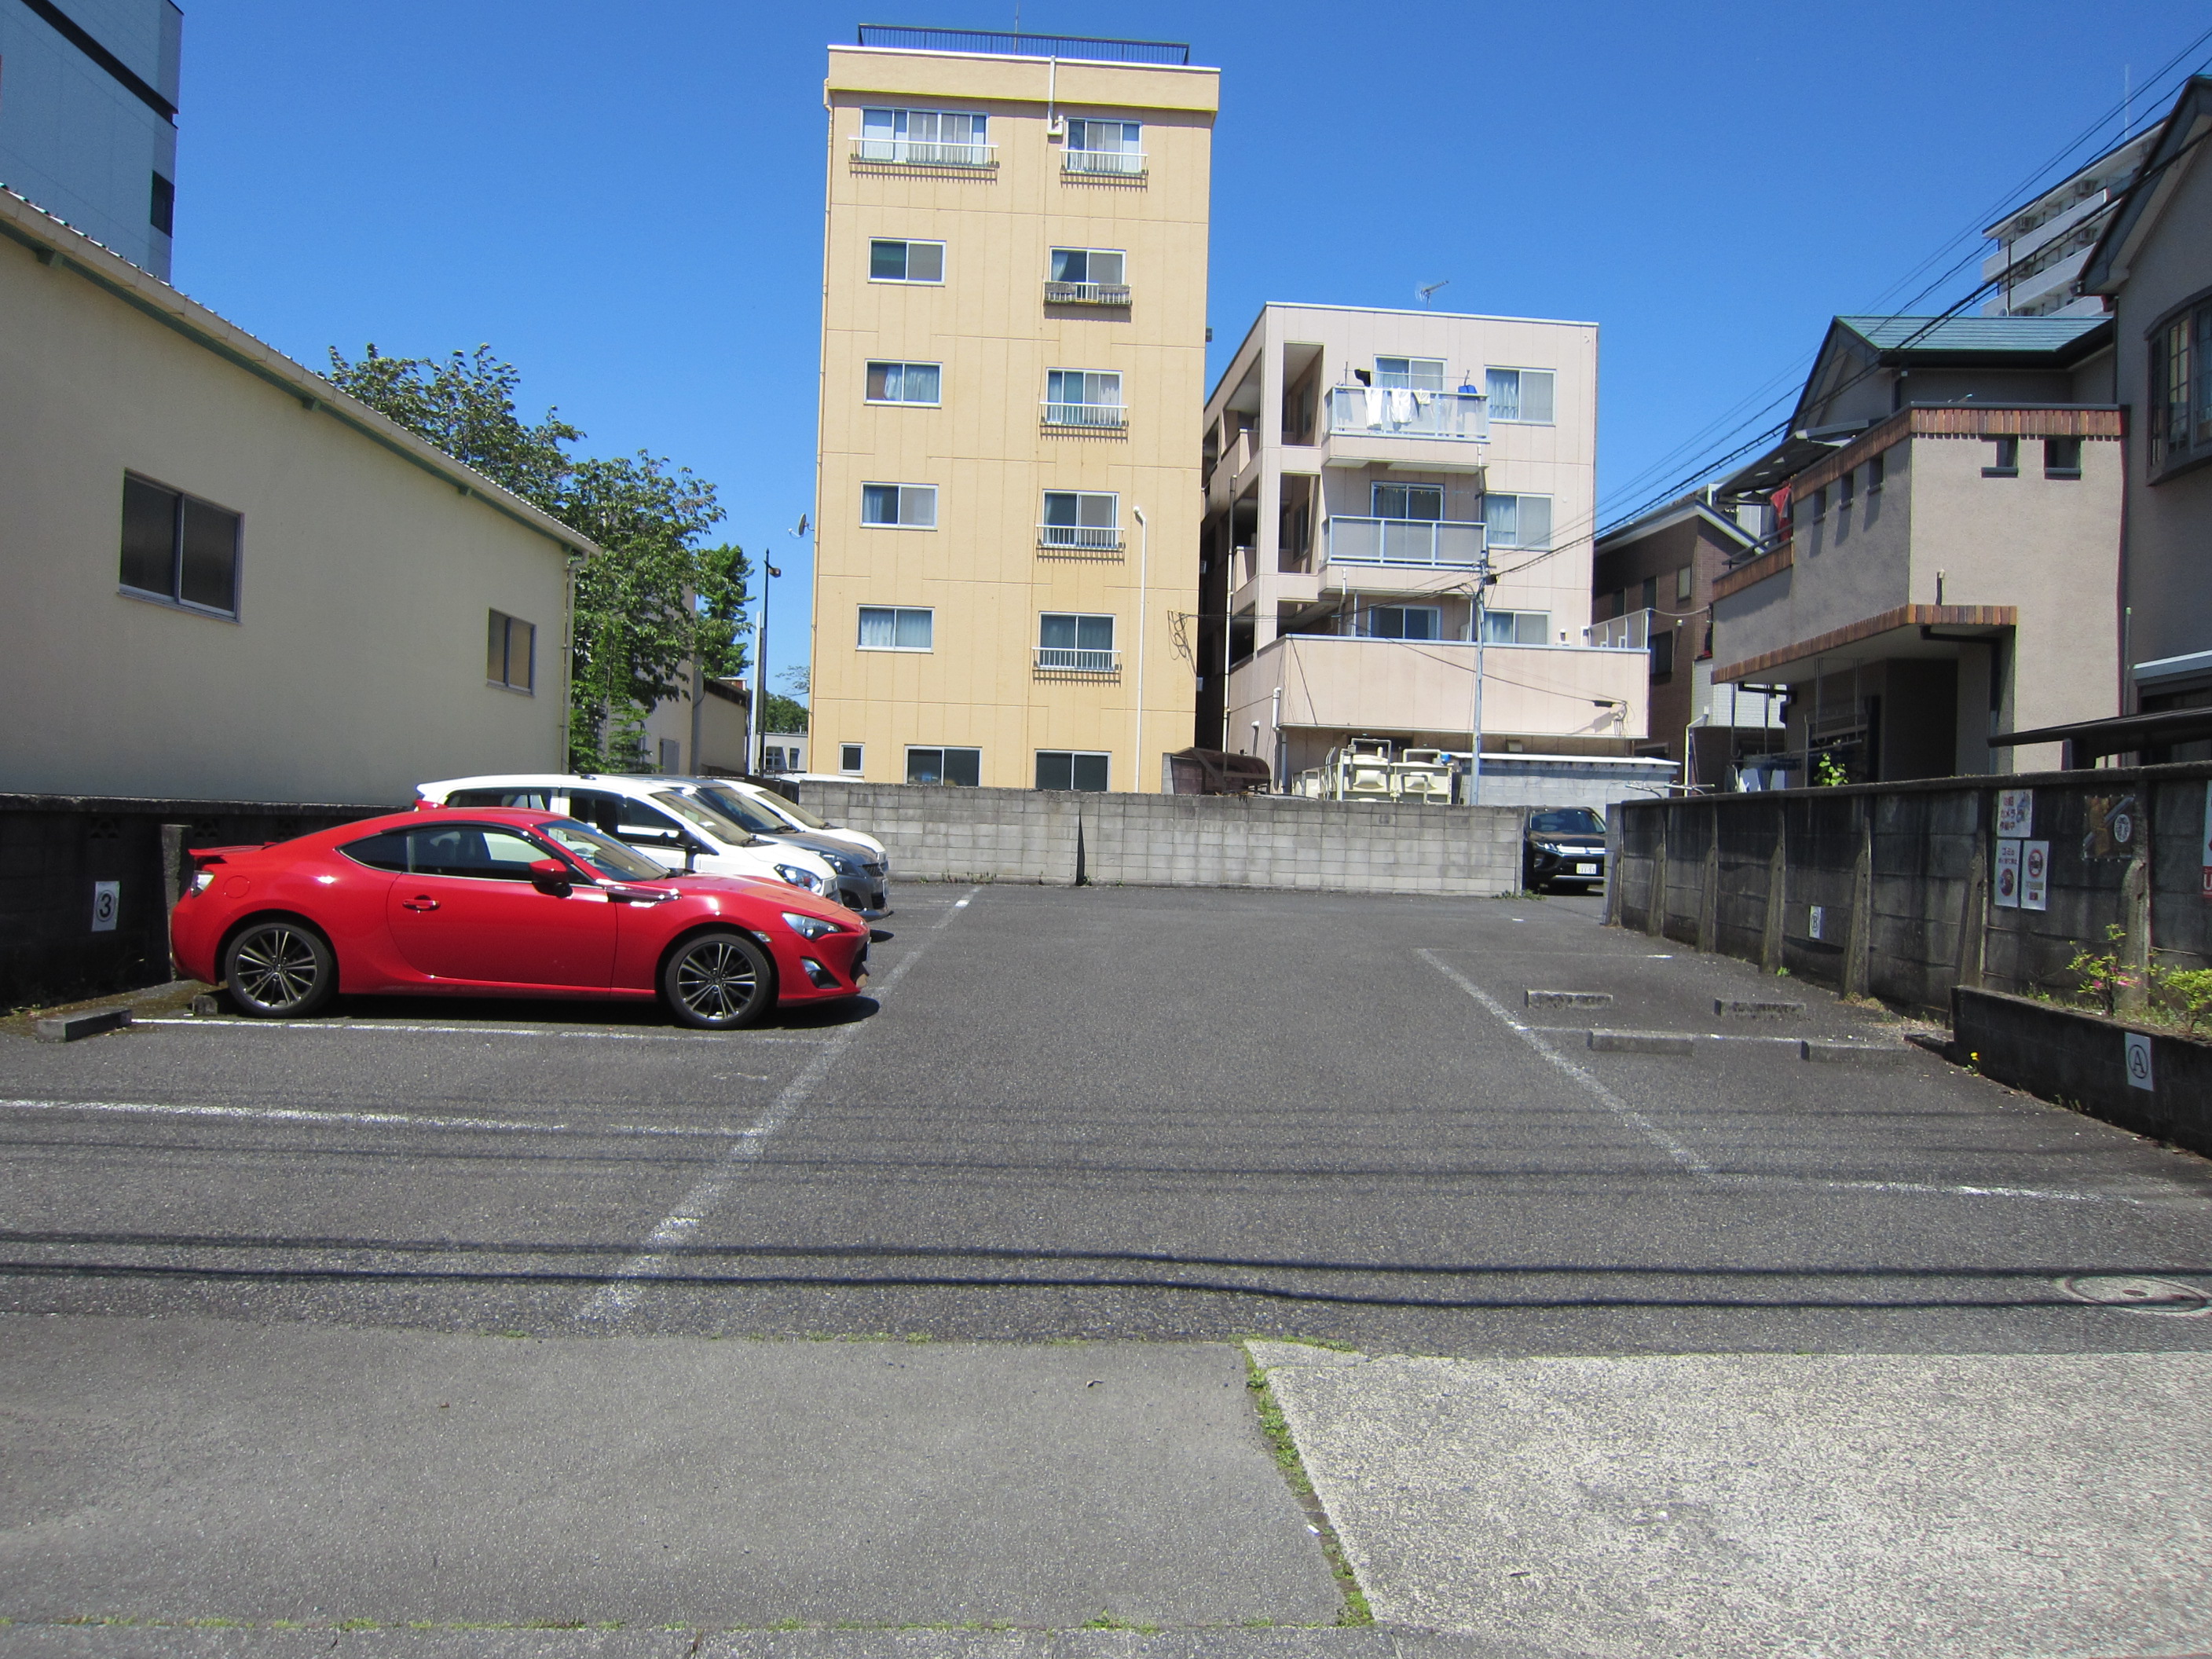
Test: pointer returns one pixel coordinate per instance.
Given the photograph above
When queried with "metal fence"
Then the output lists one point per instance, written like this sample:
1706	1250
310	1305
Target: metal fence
1085	46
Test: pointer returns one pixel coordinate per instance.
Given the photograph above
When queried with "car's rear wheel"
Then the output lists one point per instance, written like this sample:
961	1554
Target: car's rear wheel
280	969
718	982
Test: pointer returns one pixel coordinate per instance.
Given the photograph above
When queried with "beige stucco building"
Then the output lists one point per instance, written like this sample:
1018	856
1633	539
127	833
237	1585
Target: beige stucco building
1363	467
1012	369
229	581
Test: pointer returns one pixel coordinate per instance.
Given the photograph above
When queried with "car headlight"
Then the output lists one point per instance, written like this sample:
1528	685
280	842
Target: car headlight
840	864
799	877
809	928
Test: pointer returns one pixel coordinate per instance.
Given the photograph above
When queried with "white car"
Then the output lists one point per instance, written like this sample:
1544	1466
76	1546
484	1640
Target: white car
665	824
863	870
724	793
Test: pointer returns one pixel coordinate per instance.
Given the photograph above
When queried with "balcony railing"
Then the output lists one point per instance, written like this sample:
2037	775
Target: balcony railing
1630	633
1089	537
1100	417
924	153
1116	163
1071	660
1085	294
1377	411
1435	544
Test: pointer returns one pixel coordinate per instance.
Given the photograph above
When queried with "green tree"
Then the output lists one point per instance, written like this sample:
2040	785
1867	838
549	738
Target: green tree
782	713
655	599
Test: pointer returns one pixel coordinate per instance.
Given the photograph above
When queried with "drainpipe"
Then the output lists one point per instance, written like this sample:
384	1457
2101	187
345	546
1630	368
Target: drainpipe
1275	720
1144	564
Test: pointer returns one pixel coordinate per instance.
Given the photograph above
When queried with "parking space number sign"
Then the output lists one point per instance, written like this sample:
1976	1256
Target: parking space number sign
2137	1054
106	900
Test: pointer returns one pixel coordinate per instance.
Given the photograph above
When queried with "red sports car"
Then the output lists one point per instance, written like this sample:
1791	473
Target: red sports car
495	902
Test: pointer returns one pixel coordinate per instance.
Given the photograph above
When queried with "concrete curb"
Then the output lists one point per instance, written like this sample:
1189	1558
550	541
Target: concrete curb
1569	999
1851	1053
1641	1042
1756	1008
73	1028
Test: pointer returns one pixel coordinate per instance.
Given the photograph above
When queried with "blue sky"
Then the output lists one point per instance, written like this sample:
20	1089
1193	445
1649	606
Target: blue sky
625	200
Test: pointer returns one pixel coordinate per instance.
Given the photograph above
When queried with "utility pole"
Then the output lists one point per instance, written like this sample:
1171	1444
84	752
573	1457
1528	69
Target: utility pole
1483	579
759	698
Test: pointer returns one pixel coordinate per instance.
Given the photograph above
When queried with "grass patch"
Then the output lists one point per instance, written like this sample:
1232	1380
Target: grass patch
1286	1452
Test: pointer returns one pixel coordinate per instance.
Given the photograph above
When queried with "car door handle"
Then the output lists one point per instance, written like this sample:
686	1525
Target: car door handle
420	901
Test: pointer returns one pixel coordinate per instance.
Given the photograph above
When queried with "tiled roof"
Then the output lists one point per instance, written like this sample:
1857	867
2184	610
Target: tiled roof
1974	334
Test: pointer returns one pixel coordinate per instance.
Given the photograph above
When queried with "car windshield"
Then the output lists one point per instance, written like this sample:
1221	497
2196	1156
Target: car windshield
1567	821
738	810
702	817
601	853
789	811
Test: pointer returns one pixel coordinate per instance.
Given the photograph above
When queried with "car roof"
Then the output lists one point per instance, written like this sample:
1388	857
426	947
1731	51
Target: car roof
619	782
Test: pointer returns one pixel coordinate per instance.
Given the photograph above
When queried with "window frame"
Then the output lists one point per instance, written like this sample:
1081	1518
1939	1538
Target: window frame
852	759
502	624
868	374
1516	498
1409	384
1111	650
908	242
895	612
1519	621
2191	321
943	751
1104	756
175	598
1434	612
1080	537
899	505
1490	400
1122	254
1375	487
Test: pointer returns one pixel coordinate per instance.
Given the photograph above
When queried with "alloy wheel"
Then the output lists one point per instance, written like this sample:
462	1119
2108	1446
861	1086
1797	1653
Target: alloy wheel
716	981
278	968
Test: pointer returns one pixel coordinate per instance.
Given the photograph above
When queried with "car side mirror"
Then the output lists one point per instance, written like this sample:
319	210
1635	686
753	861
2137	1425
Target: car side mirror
551	874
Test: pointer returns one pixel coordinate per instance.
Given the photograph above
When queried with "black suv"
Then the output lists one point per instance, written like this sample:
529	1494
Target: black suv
1565	847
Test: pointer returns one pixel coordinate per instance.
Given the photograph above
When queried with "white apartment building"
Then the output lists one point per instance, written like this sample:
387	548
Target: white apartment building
1364	468
2042	248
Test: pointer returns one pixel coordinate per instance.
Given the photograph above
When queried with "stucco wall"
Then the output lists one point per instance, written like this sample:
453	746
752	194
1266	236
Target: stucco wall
356	667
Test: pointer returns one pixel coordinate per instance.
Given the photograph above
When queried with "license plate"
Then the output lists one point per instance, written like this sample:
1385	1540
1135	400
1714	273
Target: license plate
1585	869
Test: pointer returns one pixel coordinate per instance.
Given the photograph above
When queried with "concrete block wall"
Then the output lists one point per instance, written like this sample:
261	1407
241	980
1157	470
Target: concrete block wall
1902	876
1181	841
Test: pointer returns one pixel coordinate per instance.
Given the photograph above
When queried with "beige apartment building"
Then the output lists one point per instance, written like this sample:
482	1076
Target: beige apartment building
1364	470
1013	370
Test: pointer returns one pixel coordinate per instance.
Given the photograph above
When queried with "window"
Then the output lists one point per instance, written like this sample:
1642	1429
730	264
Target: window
162	213
1520	394
1650	594
2062	458
1402	622
2004	458
529	800
924	137
1422	501
897	628
178	548
906	262
1087	275
480	850
511	652
1081	519
1682	586
849	758
1662	654
1108	146
1421	373
1516	627
1518	520
963	768
1062	769
1074	643
1081	397
899	506
903	383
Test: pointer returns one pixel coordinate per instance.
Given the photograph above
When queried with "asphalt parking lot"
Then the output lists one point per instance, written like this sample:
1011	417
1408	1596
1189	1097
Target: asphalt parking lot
396	1316
1106	1114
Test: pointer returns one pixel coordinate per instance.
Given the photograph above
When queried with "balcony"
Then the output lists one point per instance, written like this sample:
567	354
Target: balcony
1086	293
1630	633
1074	659
1092	417
1376	412
1420	544
923	153
1079	539
1103	163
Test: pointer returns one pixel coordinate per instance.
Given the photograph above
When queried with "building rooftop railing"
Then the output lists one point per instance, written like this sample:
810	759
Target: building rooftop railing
1091	48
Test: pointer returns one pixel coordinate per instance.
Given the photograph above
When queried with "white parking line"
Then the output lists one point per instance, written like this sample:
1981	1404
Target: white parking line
369	1120
612	1302
328	1025
1604	1096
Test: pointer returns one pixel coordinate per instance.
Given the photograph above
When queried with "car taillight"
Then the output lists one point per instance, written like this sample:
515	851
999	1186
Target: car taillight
201	880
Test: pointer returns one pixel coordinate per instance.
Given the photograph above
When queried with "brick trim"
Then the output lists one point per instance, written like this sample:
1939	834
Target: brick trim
1902	615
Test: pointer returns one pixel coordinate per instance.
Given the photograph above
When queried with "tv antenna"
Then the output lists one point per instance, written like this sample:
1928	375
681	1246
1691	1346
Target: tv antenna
1427	288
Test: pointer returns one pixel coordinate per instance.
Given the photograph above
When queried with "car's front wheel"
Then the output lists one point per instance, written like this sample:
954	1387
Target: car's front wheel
718	982
280	969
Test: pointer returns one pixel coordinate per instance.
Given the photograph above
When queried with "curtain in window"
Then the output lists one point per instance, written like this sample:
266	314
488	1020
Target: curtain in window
1536	516
1070	265
878	627
1535	395
1504	387
913	630
1501	517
